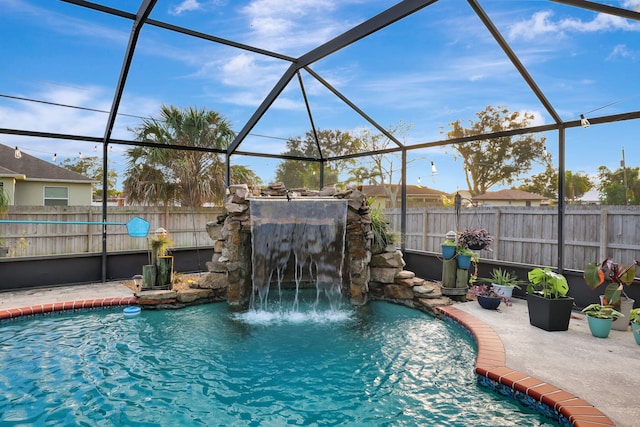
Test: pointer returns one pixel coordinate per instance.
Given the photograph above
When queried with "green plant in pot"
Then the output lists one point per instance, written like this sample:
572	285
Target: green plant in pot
547	300
449	245
600	318
382	235
486	296
503	281
464	256
475	239
159	272
617	276
634	318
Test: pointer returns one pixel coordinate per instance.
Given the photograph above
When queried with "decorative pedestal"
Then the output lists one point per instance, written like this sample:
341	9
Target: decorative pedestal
454	280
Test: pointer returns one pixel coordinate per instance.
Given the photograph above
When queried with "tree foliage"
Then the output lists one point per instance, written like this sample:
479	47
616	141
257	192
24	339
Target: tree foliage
166	176
91	167
381	169
305	173
501	160
612	186
546	184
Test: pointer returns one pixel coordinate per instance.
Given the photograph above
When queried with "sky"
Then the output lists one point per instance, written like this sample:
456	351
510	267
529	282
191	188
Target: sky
425	71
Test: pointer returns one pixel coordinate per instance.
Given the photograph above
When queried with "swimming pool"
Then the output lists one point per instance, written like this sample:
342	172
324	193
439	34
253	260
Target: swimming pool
378	365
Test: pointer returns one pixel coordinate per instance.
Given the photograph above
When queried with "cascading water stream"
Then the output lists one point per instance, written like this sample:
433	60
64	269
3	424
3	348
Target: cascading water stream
297	244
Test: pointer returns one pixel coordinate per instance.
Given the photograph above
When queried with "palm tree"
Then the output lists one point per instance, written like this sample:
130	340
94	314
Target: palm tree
157	175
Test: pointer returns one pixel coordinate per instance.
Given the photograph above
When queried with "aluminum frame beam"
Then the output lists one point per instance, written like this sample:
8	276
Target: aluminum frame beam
514	59
381	20
602	8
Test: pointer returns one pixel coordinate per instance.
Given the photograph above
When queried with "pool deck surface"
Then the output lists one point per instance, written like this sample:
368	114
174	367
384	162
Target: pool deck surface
595	381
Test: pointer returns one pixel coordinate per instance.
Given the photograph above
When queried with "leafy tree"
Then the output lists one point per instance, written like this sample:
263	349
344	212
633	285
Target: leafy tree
303	173
379	169
502	160
546	184
243	175
576	184
4	201
166	176
92	167
612	186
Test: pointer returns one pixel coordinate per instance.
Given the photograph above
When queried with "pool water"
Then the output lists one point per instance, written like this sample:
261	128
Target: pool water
378	365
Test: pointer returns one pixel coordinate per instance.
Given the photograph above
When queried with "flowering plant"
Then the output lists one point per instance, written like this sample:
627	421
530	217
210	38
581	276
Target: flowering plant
475	239
486	290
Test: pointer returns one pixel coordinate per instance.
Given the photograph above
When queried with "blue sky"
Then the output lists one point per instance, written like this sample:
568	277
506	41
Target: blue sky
427	70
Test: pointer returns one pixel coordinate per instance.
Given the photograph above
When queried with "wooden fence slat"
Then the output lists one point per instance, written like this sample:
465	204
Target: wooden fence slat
529	234
187	228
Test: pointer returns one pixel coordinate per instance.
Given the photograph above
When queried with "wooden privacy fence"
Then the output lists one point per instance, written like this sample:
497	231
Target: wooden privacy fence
186	226
529	235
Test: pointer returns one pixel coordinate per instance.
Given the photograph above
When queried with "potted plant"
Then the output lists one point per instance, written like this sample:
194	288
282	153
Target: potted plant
503	282
547	300
600	319
158	273
449	245
617	276
464	256
486	297
475	239
634	318
382	234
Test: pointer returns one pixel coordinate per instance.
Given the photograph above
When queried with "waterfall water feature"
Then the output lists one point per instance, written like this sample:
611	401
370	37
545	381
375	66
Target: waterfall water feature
296	244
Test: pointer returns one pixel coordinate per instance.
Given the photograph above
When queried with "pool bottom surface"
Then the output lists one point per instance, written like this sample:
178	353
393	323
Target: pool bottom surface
377	365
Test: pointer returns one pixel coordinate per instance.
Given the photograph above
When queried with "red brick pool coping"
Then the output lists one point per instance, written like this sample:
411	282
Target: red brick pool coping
491	362
69	305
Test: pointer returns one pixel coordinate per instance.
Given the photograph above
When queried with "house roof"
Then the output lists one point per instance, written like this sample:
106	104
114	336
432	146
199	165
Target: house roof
510	194
34	168
412	191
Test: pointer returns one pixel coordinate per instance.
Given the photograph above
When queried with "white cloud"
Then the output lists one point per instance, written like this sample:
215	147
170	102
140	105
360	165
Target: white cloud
632	4
622	51
65	24
186	6
284	25
34	116
541	23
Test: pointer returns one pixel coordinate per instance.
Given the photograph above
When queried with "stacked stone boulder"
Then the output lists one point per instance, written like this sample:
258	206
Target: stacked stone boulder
380	276
391	282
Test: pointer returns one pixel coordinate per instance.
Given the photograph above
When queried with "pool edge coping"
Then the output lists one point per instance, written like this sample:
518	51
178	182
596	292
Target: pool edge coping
491	364
12	313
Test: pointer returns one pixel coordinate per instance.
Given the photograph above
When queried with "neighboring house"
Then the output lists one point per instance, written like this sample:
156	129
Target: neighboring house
511	197
591	197
29	181
417	196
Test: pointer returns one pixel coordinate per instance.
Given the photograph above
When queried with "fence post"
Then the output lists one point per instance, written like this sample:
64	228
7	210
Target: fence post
604	233
496	234
89	234
425	229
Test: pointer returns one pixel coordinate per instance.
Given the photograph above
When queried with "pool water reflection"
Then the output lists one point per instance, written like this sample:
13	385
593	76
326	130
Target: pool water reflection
376	365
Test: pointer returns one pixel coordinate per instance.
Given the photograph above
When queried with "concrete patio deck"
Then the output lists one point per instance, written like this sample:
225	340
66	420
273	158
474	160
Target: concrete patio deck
603	372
